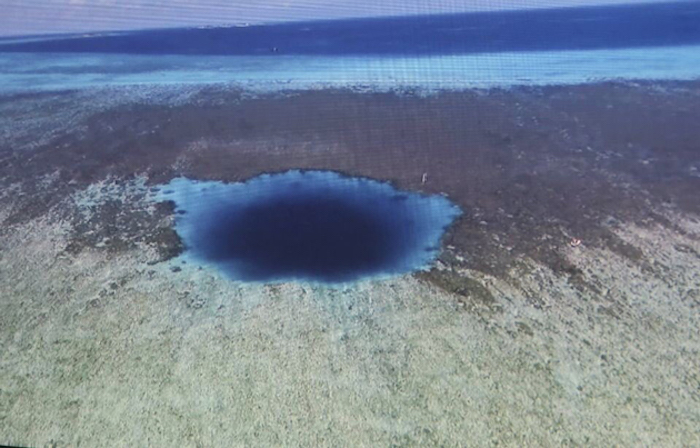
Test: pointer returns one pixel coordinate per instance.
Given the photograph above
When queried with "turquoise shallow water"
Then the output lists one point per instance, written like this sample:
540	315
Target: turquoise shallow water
41	71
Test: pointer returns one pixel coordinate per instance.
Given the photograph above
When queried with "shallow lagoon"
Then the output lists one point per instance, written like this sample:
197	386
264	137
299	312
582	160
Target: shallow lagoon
20	72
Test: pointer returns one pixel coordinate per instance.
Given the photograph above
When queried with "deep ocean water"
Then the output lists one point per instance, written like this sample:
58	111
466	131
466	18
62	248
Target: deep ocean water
316	226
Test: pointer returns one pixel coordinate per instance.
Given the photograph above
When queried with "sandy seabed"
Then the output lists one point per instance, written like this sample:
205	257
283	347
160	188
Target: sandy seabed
125	345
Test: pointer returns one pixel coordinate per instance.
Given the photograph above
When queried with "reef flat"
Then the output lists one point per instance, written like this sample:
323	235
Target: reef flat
562	308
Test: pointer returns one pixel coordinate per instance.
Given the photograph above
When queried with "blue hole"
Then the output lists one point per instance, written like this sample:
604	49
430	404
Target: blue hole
308	225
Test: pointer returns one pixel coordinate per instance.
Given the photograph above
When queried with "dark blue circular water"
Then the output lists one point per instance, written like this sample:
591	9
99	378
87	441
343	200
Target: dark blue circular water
312	225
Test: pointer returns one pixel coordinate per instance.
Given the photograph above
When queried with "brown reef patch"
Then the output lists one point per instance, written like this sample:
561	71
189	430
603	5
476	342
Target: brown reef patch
530	167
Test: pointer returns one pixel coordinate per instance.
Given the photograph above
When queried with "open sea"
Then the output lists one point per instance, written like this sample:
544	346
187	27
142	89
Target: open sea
487	49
